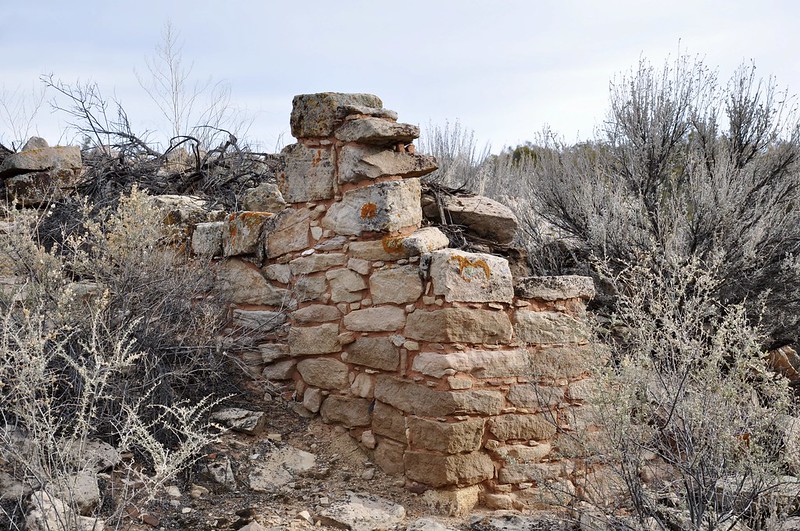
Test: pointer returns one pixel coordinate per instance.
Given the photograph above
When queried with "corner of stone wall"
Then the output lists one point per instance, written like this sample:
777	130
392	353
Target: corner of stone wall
447	370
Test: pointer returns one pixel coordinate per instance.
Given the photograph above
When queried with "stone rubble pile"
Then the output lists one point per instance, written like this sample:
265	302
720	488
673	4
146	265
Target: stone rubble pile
428	355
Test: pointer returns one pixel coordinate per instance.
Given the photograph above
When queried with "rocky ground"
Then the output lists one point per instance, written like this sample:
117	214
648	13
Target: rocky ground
299	473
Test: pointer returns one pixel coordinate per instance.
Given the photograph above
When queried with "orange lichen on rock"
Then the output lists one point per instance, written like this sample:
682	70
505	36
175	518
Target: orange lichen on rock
369	211
468	269
393	244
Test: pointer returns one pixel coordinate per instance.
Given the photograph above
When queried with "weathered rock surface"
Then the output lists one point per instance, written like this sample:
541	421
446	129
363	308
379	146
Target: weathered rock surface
347	410
266	197
555	288
480	363
375	352
469	277
321	339
396	285
482	216
308	175
241	233
46	513
446	437
363	512
325	373
242	283
279	468
377	319
207	239
359	163
459	325
41	160
317	115
522	427
440	470
547	328
388	206
376	131
289	232
261	320
422	401
241	420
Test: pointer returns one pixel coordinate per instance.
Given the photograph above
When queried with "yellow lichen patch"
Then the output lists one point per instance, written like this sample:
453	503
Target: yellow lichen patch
369	211
469	270
393	244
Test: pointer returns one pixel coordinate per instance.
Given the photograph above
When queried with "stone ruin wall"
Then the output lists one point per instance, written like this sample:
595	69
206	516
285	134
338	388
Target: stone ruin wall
447	370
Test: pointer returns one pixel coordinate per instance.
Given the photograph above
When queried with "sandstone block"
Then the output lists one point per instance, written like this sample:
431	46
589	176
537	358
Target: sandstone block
181	209
312	399
420	400
266	197
482	216
521	427
289	233
360	163
310	288
374	352
547	328
273	351
454	325
480	363
207	239
241	232
563	362
306	265
394	247
347	410
346	285
388	455
520	453
260	320
316	313
389	422
308	340
36	188
308	174
375	319
278	272
439	470
458	502
397	285
539	473
469	277
389	206
363	385
531	396
376	131
240	282
445	437
41	160
325	373
555	288
280	370
317	115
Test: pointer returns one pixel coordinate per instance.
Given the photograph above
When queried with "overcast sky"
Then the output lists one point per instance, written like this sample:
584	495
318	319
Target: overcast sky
502	68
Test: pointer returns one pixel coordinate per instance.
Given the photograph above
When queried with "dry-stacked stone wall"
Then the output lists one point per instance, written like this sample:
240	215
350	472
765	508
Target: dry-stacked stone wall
448	370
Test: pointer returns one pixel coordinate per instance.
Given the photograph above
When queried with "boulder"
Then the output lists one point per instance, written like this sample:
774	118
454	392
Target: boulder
481	216
42	159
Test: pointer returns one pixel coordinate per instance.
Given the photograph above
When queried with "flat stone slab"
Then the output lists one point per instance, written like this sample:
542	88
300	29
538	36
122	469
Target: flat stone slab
555	288
482	216
317	115
359	163
376	131
308	175
382	207
363	512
